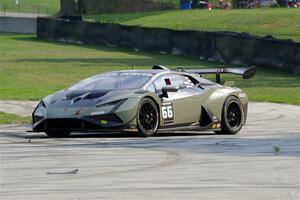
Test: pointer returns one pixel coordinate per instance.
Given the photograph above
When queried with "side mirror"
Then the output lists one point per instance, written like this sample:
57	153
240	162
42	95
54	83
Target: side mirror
167	89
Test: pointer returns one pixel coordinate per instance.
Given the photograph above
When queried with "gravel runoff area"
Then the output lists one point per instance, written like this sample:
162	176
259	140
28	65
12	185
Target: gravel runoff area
21	108
261	162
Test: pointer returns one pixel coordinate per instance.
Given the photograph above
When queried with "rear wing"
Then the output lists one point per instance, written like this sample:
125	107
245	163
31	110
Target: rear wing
246	73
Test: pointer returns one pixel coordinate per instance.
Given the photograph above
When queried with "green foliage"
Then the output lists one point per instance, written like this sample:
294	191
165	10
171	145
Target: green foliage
234	3
32	68
279	22
31	6
276	149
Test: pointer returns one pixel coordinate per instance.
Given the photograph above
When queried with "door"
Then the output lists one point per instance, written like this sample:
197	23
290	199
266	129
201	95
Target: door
181	107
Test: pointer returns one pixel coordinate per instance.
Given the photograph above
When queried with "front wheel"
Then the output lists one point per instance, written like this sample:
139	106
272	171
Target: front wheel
147	118
58	134
232	116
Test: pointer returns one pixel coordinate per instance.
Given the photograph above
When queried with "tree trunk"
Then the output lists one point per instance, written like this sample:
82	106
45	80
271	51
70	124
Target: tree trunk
68	8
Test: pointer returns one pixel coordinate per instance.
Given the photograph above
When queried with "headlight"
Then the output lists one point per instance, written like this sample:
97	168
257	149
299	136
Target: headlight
39	112
40	109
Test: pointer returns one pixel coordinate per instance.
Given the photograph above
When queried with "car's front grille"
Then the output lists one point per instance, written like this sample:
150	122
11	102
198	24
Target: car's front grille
72	124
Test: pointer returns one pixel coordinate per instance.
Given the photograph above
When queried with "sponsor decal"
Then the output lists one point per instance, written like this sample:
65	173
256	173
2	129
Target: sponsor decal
135	74
125	74
98	113
107	74
242	95
214	126
103	121
168	81
77	112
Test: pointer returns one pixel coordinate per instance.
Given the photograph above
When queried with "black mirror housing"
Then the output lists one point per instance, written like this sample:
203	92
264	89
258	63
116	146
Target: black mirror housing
167	89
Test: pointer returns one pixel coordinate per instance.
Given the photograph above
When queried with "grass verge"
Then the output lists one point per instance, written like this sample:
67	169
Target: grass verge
31	68
6	118
31	6
280	22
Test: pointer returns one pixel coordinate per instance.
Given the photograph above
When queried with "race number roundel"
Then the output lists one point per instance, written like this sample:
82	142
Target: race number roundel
167	112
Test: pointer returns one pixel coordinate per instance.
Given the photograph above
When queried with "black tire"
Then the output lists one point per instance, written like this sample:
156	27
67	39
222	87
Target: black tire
58	134
232	117
147	118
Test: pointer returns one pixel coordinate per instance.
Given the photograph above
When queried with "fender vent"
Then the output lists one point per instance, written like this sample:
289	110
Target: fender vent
205	118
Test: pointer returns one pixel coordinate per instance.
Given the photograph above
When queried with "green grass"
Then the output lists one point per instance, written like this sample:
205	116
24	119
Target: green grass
6	118
32	68
270	86
276	149
279	22
31	6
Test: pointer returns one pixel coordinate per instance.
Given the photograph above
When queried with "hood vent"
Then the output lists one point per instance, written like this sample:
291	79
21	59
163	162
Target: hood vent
74	95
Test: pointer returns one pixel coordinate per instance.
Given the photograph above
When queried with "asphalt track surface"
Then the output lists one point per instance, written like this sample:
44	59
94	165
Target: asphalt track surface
168	166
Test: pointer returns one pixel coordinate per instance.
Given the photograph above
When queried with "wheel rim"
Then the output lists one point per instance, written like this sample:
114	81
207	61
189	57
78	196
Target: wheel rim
147	117
234	115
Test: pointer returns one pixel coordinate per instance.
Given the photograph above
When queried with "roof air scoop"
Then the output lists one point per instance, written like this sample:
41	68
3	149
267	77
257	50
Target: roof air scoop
160	67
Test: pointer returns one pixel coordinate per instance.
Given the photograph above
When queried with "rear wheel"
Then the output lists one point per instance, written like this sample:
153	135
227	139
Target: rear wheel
58	134
232	116
147	118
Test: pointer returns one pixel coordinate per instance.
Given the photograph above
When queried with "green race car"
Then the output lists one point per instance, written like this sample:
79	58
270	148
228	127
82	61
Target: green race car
145	101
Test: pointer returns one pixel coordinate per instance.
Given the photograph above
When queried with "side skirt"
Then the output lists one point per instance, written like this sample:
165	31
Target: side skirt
190	127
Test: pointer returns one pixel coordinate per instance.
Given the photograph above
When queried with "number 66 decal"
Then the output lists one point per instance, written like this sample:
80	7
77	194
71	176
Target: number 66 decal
167	112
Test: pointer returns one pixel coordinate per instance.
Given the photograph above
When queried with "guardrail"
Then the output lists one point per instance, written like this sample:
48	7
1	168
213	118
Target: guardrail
25	25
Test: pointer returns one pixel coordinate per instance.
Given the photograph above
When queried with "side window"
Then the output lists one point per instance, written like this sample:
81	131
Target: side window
170	79
188	82
177	80
151	88
160	83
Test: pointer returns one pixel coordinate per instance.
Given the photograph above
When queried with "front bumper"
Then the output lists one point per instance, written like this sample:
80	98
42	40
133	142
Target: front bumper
110	122
117	115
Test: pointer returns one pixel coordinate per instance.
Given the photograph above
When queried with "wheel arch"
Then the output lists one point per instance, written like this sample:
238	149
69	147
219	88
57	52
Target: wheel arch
216	100
226	128
142	130
155	102
243	99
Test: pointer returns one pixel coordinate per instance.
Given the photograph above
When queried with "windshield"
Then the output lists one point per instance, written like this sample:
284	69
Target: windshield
110	81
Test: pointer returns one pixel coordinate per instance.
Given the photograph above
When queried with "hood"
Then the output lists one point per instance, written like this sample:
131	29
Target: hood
76	98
